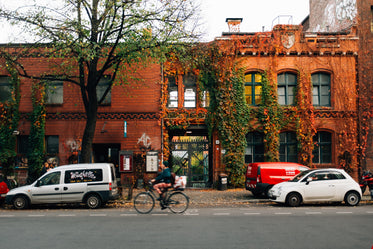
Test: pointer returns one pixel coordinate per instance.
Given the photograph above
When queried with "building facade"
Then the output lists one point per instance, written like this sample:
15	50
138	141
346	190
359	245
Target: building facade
317	111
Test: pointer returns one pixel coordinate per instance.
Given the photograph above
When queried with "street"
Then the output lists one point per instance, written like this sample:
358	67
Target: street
271	226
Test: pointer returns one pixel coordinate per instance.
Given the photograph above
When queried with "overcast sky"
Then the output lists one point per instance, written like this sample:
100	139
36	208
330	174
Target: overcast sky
255	14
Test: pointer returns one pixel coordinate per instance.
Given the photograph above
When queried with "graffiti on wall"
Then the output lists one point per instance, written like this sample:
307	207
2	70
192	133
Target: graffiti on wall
145	140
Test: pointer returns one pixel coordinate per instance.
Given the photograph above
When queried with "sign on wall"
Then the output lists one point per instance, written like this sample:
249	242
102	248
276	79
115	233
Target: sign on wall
125	161
151	161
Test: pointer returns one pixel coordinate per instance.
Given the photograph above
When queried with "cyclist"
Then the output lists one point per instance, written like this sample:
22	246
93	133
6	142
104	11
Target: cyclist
163	181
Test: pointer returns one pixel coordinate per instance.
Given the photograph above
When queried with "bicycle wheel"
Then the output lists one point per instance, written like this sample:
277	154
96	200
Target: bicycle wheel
178	202
144	203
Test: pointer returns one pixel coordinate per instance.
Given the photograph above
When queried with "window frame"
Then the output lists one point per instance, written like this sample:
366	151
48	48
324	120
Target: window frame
5	87
286	85
286	146
319	85
317	152
253	84
48	144
102	86
255	147
190	86
58	85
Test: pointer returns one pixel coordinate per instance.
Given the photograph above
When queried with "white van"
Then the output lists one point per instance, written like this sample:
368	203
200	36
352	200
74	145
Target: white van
93	184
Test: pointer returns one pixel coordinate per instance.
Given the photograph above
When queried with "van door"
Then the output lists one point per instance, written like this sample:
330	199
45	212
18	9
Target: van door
48	189
75	183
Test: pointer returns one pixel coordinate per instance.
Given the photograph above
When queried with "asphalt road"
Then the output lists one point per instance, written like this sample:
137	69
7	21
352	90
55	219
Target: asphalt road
247	227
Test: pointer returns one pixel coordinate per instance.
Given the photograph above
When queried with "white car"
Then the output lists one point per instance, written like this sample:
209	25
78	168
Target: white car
317	185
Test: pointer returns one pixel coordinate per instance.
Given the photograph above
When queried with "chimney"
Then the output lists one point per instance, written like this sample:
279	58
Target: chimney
234	24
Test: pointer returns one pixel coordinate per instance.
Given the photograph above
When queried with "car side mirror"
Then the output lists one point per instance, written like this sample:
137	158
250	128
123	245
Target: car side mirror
38	183
309	179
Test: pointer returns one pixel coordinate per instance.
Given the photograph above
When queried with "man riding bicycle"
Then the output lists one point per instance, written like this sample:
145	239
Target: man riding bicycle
163	181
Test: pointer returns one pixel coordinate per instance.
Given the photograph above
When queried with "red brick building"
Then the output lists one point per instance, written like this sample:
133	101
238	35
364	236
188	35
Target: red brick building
324	62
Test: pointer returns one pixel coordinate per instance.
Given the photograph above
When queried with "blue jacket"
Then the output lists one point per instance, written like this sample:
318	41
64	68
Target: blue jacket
165	176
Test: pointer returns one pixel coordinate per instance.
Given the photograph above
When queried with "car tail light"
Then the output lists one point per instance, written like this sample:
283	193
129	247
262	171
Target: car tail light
110	188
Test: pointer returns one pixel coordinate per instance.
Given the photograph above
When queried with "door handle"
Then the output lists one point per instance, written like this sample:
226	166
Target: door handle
56	189
65	188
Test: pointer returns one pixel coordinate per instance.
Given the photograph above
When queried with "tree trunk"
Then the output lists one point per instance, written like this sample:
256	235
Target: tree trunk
89	132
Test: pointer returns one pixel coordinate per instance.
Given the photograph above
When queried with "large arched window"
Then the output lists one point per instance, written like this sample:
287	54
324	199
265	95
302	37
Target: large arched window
254	151
288	147
322	152
321	89
253	88
286	85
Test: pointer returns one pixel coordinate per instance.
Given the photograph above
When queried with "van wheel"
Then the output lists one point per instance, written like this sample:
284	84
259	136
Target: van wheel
20	202
93	201
293	200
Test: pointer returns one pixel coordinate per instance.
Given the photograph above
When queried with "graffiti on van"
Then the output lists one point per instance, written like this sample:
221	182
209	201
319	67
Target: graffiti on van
74	176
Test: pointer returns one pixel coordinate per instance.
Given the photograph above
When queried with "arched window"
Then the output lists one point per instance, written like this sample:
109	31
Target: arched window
322	152
253	88
321	89
286	85
288	147
254	151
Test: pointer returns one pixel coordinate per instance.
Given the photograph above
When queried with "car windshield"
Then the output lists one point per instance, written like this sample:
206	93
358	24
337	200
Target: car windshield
300	175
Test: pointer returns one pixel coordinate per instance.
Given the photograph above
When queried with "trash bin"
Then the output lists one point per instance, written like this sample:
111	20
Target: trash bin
223	181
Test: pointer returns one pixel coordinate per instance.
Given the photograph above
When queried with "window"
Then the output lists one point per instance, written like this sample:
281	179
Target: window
5	89
55	93
89	175
50	179
22	144
190	91
321	89
322	152
173	93
288	147
286	84
254	151
103	85
206	99
52	144
253	88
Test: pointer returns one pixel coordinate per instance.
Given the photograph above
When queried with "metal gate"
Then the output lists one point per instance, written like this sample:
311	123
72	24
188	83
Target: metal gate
190	157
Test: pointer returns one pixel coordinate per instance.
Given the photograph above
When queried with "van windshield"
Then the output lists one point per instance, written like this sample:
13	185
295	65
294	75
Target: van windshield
300	176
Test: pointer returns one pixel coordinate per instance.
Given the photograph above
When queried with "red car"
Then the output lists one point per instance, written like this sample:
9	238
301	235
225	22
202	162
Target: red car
3	189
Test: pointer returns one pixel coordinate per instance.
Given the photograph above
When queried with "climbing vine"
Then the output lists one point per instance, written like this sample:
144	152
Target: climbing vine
270	115
36	139
9	119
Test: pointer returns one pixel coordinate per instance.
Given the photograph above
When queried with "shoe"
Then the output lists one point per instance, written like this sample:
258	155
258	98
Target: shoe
164	207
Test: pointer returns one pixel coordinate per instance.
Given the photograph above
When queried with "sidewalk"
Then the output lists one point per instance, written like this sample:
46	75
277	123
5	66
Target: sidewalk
215	198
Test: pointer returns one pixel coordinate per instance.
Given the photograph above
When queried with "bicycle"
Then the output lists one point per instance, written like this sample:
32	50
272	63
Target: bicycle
174	199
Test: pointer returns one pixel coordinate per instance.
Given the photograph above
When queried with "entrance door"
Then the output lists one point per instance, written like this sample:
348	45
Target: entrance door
107	153
190	157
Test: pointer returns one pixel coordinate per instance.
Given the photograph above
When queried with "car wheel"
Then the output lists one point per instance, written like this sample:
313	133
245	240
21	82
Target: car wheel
93	201
352	198
20	202
293	199
267	190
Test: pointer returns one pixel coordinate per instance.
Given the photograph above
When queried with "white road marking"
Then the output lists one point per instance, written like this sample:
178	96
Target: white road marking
252	213
313	213
98	215
222	214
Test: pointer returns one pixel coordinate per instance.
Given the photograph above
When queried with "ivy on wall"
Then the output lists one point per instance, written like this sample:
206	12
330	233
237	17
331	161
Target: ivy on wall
36	153
9	119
